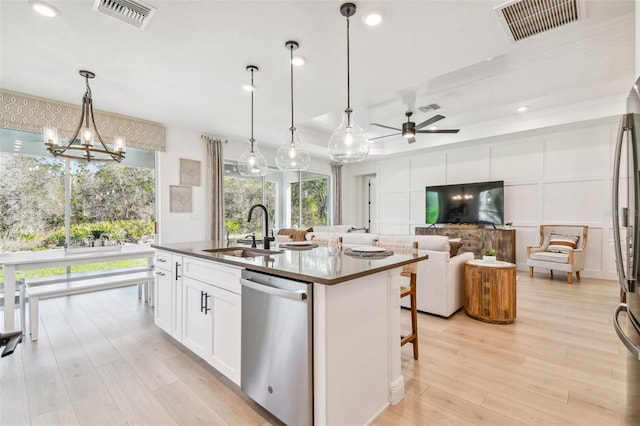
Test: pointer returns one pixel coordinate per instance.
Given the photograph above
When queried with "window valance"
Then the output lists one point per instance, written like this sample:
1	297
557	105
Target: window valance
31	114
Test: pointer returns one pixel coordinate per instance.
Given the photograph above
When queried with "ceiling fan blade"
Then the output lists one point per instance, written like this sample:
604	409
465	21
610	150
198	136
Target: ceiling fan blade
411	139
386	127
439	131
386	136
430	121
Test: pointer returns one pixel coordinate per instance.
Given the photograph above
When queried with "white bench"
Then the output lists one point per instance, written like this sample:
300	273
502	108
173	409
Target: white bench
76	286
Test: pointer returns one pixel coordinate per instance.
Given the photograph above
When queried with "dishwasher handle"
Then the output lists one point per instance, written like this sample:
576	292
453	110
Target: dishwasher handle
295	295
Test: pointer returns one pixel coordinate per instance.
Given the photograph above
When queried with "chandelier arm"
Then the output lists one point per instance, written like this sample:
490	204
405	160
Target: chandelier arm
113	155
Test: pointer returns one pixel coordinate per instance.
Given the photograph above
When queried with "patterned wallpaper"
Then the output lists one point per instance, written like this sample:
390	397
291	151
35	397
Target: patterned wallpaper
31	114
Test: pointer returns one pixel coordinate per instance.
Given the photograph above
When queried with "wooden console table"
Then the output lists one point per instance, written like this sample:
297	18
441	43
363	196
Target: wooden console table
490	291
476	239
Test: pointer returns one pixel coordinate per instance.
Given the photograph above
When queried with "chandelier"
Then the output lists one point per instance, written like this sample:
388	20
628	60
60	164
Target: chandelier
82	145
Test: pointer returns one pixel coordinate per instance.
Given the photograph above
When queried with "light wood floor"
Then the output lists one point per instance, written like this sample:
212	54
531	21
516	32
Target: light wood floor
100	360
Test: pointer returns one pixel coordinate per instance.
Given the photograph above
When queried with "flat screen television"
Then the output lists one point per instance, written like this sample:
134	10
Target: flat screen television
473	203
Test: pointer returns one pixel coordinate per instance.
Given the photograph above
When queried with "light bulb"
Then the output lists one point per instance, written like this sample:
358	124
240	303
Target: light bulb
87	136
119	144
252	162
348	143
51	136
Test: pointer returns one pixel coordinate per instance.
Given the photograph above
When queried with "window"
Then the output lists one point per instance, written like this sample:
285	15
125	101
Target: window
280	194
313	196
240	193
105	201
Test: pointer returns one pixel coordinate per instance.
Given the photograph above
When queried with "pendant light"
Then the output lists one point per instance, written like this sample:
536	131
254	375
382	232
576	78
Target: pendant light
252	162
292	155
348	142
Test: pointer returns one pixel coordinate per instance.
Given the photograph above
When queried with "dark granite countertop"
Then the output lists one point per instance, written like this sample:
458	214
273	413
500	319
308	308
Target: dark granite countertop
310	264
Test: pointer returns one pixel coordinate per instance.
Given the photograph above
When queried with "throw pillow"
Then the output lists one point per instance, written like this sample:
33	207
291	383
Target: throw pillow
562	243
454	244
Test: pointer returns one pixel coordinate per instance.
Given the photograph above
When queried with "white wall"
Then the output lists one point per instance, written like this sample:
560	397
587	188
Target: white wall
560	175
188	144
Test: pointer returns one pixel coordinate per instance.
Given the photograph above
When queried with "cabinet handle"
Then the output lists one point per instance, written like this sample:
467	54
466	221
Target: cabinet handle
177	266
201	301
161	260
160	273
206	303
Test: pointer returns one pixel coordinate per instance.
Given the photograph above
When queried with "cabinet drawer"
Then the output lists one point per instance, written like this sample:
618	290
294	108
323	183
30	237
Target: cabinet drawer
163	260
222	276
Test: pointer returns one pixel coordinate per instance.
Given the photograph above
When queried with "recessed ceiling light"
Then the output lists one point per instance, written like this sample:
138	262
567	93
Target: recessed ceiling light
522	108
372	19
248	88
298	60
433	128
44	9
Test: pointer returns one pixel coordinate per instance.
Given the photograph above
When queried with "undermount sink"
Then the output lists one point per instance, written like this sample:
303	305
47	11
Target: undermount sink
243	251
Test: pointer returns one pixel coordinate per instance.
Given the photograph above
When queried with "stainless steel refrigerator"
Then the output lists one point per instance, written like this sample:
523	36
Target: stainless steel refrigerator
626	235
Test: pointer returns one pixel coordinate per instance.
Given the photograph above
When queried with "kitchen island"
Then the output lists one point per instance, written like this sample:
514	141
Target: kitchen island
355	318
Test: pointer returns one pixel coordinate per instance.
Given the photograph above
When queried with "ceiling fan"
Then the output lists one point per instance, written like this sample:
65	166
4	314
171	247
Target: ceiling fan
409	129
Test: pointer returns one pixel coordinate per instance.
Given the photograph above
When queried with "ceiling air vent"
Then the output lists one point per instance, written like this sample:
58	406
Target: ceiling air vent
130	12
428	108
524	18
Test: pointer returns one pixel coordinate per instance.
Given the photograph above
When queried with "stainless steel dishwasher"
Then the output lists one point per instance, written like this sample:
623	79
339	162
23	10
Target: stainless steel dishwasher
277	351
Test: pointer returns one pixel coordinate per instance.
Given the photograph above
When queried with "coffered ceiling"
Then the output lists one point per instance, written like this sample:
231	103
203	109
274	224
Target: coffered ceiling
187	67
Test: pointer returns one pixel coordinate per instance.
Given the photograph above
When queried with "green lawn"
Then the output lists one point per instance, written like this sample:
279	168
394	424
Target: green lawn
46	272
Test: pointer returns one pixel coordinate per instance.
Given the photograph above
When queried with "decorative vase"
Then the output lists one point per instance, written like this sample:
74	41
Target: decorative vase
489	258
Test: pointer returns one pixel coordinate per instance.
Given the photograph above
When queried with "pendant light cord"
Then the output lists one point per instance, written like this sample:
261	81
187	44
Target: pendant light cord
348	111
292	129
253	88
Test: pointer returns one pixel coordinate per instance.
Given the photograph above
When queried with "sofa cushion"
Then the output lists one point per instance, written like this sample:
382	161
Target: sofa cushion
548	256
562	243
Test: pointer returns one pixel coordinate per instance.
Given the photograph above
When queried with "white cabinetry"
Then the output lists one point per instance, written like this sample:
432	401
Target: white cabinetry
168	293
198	303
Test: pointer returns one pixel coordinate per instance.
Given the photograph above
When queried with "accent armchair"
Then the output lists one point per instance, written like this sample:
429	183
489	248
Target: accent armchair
561	248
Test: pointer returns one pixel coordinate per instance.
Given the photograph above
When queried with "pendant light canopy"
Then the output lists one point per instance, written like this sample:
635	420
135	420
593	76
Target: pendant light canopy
252	162
348	142
292	155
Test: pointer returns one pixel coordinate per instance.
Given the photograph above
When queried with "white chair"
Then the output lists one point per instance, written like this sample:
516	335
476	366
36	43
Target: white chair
561	248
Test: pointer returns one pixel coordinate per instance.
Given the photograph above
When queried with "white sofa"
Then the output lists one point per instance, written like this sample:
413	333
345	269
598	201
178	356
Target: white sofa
440	288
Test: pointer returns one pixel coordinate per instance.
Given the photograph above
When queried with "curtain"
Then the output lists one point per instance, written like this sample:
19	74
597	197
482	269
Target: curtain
215	173
336	192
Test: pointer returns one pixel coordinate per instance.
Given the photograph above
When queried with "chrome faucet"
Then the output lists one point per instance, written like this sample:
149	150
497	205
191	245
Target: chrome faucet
265	220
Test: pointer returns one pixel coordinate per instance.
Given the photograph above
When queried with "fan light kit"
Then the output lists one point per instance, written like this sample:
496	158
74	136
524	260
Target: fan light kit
252	162
348	143
292	155
409	129
87	131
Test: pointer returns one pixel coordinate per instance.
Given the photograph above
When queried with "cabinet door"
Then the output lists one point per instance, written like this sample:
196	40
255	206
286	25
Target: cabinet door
225	354
197	319
163	309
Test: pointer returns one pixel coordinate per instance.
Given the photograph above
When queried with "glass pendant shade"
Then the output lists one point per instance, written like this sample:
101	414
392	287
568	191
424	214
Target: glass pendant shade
291	155
349	142
252	162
